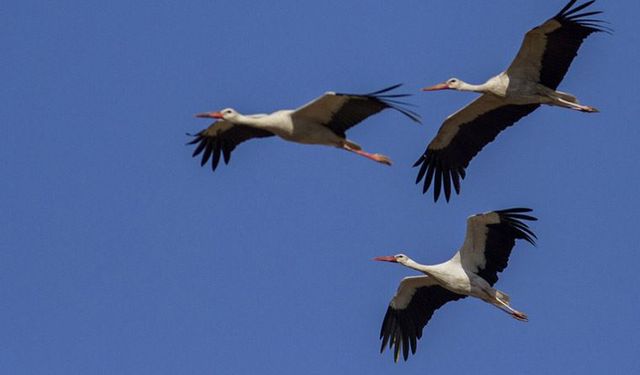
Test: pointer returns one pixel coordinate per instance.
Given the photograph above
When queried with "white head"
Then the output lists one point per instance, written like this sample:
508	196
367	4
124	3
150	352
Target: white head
399	258
228	114
450	84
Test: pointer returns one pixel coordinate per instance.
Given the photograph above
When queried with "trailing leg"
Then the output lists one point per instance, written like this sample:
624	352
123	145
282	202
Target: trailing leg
504	306
574	105
501	300
352	147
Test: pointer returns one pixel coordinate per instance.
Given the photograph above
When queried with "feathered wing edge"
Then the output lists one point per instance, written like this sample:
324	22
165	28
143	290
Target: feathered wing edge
569	14
211	147
220	139
390	101
514	217
446	168
402	328
501	239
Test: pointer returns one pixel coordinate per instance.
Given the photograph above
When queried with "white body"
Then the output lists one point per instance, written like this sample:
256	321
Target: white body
459	274
471	272
323	121
282	124
531	80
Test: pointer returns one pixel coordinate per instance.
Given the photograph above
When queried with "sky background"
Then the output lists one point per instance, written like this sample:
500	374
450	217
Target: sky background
120	255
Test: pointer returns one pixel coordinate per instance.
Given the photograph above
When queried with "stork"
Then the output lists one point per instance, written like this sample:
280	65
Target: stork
323	121
472	271
530	81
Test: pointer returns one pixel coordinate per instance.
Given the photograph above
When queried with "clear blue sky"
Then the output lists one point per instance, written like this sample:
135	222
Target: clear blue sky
120	255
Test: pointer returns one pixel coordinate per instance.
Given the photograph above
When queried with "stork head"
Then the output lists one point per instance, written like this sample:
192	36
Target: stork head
399	258
225	114
450	84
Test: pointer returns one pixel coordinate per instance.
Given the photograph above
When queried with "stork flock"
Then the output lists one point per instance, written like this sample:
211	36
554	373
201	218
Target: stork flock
530	81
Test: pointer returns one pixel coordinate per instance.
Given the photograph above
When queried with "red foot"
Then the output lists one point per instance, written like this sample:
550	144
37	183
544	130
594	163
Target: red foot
375	157
520	316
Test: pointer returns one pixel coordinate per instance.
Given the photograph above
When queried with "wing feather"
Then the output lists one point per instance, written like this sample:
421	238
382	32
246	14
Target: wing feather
220	139
461	137
490	238
413	305
548	50
340	112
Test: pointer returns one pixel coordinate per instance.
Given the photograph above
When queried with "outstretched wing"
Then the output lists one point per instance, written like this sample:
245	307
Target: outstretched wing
548	50
221	138
490	238
339	112
461	137
410	309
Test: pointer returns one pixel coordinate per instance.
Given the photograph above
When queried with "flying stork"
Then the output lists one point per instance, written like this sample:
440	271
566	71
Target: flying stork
472	271
530	81
323	121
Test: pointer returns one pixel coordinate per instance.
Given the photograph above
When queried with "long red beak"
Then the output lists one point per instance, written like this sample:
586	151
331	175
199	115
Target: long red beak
439	86
217	115
386	259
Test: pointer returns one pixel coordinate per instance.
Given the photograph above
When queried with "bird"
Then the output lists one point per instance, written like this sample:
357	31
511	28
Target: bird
472	271
323	121
531	80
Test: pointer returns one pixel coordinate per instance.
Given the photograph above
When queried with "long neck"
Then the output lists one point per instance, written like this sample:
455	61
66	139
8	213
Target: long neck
483	88
426	269
256	121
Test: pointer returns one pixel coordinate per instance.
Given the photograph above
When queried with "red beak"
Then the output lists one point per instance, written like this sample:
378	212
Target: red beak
386	259
439	86
216	115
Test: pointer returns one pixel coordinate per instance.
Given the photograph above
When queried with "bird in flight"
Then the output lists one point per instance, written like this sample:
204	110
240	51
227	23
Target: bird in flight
472	271
323	121
530	81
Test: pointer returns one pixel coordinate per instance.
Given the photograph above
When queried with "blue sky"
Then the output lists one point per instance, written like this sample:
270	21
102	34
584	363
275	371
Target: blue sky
120	255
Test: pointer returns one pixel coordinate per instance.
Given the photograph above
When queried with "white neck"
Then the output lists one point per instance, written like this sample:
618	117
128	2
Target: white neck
483	88
260	121
426	269
257	121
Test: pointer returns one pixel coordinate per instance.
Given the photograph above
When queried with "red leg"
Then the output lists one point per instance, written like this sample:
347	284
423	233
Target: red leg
375	157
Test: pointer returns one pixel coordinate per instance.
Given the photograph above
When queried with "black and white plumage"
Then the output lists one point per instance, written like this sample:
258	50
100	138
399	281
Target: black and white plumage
220	139
472	271
530	81
323	121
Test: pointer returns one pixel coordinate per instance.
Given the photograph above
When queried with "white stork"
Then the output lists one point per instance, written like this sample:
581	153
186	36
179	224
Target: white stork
322	121
531	80
472	271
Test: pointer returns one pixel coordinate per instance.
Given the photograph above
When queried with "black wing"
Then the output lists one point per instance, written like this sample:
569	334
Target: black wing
549	49
339	112
495	234
563	43
221	138
461	137
413	305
